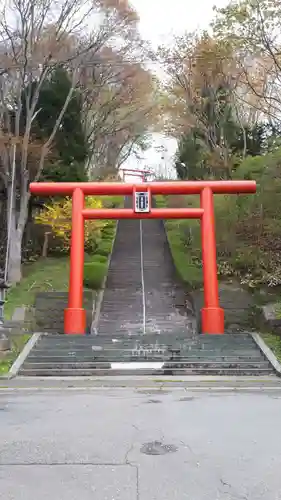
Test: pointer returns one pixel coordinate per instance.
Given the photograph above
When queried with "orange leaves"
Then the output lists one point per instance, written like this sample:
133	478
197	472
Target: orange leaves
194	64
123	7
253	31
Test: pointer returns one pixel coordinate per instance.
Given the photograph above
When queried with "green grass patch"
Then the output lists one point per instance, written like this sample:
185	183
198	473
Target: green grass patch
277	309
188	267
94	274
244	253
99	258
95	269
108	233
44	275
52	273
18	343
184	240
104	248
113	201
161	201
274	343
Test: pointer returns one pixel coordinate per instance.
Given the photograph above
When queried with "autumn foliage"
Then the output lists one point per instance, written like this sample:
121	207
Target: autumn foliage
57	216
76	100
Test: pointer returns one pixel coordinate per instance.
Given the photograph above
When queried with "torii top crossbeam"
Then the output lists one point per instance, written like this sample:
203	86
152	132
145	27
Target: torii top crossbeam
123	189
136	173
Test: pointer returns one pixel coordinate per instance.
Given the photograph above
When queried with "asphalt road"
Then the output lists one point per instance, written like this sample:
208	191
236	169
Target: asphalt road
140	444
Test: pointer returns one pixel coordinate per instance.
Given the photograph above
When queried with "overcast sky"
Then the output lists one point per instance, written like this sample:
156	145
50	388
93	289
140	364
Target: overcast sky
159	21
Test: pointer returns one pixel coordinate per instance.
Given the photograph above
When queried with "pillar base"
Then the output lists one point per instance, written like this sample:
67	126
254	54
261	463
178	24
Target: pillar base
74	321
212	320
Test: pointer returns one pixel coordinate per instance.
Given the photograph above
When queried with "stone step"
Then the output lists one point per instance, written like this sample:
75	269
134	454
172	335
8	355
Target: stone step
201	341
107	355
183	364
53	372
108	307
99	343
136	347
68	365
134	343
136	352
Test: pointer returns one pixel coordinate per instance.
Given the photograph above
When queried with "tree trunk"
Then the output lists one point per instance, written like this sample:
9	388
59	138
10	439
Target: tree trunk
16	222
45	245
15	249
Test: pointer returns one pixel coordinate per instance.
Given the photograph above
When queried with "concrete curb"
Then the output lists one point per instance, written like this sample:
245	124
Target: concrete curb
267	352
100	294
23	355
139	383
148	381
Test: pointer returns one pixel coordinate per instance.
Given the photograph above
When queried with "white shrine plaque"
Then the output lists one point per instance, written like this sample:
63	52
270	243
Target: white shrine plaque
142	202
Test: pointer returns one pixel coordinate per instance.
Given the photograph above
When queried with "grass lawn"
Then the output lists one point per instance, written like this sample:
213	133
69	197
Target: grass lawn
43	275
52	274
187	265
274	343
6	360
186	259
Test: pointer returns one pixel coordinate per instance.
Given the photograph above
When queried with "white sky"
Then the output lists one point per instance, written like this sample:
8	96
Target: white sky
159	21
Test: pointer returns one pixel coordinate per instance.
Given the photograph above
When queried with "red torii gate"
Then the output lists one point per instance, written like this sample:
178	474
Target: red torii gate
212	313
136	173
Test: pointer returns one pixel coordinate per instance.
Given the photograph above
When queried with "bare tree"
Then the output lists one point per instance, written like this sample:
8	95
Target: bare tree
120	106
252	29
200	90
35	38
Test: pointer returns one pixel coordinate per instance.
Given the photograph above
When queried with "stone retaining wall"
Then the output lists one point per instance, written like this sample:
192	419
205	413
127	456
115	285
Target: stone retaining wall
49	310
237	304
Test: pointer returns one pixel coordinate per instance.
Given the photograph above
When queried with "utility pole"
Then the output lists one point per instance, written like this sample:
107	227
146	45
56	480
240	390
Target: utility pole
5	343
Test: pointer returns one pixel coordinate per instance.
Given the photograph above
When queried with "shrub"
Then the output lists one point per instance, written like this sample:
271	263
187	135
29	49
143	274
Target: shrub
113	201
161	201
99	258
248	228
108	233
94	273
104	247
57	215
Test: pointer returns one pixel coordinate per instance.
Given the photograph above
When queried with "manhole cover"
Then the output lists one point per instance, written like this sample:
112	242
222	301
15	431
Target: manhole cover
157	448
152	391
153	401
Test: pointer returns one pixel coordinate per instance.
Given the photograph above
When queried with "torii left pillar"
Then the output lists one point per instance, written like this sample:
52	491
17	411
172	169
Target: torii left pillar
75	315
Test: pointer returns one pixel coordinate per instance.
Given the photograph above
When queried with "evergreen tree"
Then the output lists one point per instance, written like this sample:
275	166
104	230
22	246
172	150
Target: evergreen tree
69	150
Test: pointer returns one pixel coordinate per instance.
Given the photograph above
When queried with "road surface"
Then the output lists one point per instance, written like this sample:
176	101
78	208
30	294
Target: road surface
140	444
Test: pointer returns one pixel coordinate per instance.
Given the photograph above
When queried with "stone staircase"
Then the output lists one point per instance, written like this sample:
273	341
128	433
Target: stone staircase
89	355
168	308
121	310
165	301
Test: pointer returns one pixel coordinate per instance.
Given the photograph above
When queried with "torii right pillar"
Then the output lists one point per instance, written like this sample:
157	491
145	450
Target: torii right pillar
212	315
